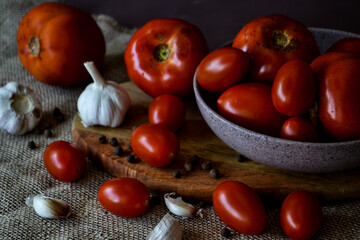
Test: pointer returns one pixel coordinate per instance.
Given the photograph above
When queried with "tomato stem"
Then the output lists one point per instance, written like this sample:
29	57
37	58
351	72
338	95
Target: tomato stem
162	52
281	39
34	46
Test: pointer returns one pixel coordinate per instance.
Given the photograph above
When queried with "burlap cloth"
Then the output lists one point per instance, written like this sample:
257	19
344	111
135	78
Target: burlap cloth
22	172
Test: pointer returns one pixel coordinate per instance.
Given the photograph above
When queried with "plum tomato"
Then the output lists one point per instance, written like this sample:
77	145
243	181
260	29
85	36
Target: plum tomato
162	56
299	129
168	111
273	40
347	45
154	144
339	110
125	197
222	68
249	105
64	161
294	88
301	215
239	207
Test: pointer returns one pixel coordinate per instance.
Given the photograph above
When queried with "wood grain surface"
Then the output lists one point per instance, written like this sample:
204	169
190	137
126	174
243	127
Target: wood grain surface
196	138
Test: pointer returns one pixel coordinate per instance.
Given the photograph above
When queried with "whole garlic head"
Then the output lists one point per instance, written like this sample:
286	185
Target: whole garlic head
20	109
103	102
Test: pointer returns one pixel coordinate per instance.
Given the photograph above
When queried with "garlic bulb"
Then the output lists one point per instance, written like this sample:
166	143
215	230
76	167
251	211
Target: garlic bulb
102	102
48	207
167	229
20	109
180	208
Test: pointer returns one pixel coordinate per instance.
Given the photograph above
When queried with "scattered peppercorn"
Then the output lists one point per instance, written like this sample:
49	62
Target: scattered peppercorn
56	111
48	133
189	166
131	158
225	232
240	158
194	159
58	115
129	146
155	197
118	150
31	144
206	166
113	142
102	139
214	173
176	174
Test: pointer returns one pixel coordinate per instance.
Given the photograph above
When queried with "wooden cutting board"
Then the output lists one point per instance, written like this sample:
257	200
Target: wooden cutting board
196	138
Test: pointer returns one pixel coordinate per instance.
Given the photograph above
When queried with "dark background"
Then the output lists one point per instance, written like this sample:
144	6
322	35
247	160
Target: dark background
221	20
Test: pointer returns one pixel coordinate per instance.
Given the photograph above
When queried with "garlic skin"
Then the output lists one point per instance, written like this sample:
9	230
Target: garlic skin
20	109
48	207
180	208
167	229
103	102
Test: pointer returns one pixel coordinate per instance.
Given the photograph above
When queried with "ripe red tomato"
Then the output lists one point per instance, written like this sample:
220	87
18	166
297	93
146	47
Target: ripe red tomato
222	69
64	161
155	144
54	40
125	197
239	207
299	129
347	45
294	88
162	56
249	105
273	40
301	215
339	110
167	111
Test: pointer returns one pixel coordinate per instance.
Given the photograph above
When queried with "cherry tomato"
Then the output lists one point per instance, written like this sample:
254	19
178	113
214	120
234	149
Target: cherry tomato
125	197
155	144
273	40
167	111
222	69
299	129
64	161
249	105
294	88
239	207
347	45
162	56
339	98
301	215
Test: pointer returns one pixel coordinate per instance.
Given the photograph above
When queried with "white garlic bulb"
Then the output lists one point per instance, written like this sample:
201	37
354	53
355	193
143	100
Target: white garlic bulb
20	109
48	207
167	229
103	102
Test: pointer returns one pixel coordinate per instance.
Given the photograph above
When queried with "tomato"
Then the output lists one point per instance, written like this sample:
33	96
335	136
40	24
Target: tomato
299	129
125	197
54	40
222	69
239	207
294	88
64	161
249	105
301	215
339	110
155	144
167	111
273	40
347	45
162	56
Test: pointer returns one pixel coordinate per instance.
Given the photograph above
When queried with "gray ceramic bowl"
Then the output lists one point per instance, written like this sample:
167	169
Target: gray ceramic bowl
281	153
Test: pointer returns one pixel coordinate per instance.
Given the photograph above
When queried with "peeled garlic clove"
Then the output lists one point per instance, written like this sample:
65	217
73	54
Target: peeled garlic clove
180	208
103	102
167	229
20	109
48	207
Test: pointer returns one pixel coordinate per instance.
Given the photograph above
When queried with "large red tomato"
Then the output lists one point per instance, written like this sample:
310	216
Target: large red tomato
167	111
301	215
271	41
162	56
222	68
155	145
54	40
299	129
125	197
339	98
239	207
249	105
64	161
347	45
294	88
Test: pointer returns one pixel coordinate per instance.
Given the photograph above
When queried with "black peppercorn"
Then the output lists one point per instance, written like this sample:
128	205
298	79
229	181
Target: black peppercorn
114	142
240	158
118	150
194	159
206	166
48	133
131	158
31	144
129	146
58	115
214	173
188	166
225	232
102	139
176	174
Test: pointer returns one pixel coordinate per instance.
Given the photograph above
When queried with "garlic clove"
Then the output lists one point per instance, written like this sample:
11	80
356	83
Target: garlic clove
48	207
167	229
180	208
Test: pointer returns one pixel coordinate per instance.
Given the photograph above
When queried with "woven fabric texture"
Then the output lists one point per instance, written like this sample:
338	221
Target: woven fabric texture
22	172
